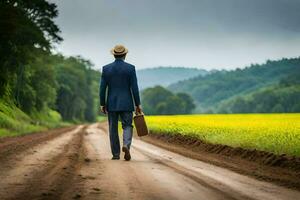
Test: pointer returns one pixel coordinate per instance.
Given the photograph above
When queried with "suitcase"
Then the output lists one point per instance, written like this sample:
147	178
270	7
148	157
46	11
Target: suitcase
140	125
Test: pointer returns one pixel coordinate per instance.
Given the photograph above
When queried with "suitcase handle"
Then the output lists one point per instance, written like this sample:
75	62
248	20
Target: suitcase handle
138	114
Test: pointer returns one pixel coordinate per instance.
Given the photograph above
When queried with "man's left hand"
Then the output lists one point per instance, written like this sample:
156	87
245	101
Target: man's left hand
103	109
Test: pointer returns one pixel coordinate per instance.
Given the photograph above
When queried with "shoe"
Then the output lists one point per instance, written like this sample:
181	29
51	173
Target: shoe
127	155
115	158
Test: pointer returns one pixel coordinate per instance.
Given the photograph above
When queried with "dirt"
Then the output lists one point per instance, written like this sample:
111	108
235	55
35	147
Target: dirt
75	163
46	166
13	145
281	169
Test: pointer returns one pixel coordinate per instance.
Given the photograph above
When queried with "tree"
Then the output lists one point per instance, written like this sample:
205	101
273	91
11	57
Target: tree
39	84
219	87
75	95
160	101
278	108
34	78
151	97
175	105
25	27
188	102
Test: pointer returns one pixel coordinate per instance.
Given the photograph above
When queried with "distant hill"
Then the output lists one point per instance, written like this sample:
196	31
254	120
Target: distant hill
270	87
165	76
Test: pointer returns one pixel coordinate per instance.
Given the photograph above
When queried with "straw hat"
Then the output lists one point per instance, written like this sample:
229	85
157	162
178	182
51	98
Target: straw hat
119	50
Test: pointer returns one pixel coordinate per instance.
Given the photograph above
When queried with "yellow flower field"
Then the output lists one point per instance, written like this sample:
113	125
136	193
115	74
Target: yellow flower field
277	133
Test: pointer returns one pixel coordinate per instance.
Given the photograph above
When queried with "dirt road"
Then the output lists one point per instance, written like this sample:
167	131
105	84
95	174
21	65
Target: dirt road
75	164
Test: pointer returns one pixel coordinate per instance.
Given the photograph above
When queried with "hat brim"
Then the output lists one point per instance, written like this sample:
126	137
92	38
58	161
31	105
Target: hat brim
118	54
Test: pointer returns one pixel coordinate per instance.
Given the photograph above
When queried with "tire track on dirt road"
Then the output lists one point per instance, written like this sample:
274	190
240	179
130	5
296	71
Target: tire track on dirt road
44	171
14	145
141	178
77	165
231	185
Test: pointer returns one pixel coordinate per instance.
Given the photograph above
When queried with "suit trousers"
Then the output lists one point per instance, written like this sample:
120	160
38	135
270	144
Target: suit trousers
126	120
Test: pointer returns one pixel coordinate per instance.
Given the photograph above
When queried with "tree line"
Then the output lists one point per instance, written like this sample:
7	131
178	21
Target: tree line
160	101
31	76
283	97
268	87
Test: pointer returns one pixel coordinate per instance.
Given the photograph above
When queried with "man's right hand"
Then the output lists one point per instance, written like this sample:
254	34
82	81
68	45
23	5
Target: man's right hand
138	109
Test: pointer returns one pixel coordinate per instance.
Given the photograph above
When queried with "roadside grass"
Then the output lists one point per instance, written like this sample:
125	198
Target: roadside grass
276	133
14	122
101	118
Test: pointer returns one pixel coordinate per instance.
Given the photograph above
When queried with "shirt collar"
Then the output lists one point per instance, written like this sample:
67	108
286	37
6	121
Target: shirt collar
119	60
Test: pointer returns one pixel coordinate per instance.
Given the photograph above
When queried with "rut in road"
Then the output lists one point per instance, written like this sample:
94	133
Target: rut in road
76	165
45	171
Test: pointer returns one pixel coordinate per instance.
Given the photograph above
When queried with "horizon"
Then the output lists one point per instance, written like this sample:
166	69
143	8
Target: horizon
212	35
221	69
208	70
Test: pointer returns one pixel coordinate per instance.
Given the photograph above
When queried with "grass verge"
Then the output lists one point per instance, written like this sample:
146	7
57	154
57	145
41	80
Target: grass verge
14	122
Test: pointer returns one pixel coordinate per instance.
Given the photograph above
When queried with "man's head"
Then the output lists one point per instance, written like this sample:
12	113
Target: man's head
119	51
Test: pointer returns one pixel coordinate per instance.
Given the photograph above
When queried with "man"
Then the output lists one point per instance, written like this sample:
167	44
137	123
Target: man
119	78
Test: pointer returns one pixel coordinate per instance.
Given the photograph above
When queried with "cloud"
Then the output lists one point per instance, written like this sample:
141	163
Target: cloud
193	33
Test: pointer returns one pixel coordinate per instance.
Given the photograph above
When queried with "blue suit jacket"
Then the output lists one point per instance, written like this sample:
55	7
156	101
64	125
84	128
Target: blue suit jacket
119	78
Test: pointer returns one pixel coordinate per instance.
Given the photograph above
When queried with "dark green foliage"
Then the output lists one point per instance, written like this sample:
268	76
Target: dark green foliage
152	97
188	102
275	99
25	27
38	88
278	98
213	92
91	109
160	101
67	85
31	76
172	105
75	95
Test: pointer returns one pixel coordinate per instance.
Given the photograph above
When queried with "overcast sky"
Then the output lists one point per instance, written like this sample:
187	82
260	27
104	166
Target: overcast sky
192	33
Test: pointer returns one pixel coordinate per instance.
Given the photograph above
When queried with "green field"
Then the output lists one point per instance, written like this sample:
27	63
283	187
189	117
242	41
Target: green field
277	133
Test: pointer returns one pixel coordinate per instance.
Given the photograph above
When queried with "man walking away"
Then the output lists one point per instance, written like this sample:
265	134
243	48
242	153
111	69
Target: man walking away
120	82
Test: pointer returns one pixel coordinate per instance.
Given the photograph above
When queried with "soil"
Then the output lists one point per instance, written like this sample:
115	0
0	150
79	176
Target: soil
75	163
283	170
